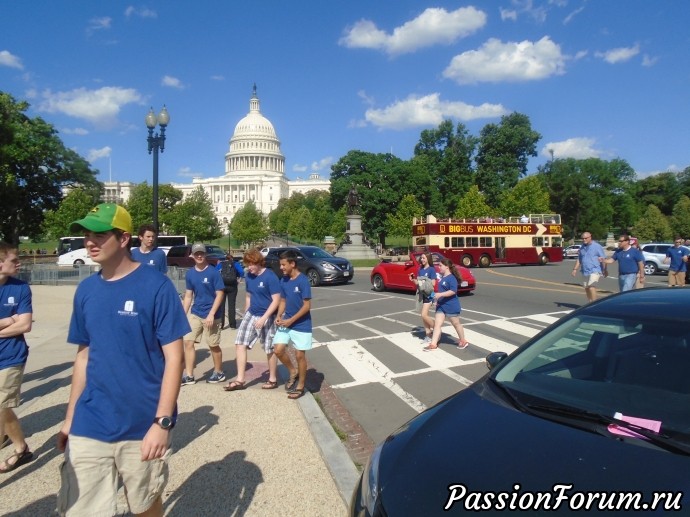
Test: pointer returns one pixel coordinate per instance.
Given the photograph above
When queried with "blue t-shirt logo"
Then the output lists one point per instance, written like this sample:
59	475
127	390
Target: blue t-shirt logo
10	300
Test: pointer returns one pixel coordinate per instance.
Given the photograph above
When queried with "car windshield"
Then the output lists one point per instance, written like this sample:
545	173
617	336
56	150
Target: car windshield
215	250
610	366
315	253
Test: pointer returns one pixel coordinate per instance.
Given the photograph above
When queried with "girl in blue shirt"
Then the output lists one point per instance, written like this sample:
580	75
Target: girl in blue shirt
447	305
426	269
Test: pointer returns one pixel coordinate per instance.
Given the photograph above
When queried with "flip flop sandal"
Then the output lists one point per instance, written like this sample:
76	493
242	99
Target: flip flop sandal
290	384
234	386
294	393
25	456
269	385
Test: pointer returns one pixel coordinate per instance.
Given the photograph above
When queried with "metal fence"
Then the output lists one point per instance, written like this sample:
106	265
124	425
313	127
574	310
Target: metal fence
51	274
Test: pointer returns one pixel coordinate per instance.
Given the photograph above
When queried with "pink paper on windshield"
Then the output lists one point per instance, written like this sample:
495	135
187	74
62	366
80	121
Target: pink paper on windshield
652	425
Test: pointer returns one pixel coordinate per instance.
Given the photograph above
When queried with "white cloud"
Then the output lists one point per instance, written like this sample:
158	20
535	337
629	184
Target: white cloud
97	24
79	131
299	168
9	59
217	78
578	148
172	82
322	164
619	55
100	107
572	15
142	12
508	14
97	154
496	61
186	172
648	60
429	110
435	26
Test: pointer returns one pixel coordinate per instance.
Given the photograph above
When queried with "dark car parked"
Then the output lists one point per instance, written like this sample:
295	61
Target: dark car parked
590	414
320	266
181	255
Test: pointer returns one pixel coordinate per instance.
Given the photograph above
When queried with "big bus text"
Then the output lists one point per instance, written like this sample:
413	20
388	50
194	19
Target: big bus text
526	239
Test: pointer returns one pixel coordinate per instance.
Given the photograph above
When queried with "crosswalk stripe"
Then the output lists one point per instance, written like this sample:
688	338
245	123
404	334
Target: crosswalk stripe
365	368
544	318
514	328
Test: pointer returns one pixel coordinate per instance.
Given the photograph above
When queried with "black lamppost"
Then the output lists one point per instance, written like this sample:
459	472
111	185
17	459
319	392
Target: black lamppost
156	142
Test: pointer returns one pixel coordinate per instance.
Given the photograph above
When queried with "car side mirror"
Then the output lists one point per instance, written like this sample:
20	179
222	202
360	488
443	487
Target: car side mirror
494	358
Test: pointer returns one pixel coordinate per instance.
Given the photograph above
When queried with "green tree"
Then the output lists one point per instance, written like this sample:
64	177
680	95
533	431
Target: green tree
680	220
661	190
75	205
399	223
503	153
653	226
249	225
140	205
528	196
194	218
449	158
299	223
473	205
378	178
34	167
587	192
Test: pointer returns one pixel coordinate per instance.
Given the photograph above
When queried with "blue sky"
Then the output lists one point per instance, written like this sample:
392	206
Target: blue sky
597	78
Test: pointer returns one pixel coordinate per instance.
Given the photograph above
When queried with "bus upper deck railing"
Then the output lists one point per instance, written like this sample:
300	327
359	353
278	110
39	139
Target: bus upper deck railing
520	219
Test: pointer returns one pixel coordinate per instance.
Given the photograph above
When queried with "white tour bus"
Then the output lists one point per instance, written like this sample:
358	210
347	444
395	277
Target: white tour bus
71	251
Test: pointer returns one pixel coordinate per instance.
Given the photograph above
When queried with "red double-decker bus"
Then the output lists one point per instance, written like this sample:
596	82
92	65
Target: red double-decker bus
526	239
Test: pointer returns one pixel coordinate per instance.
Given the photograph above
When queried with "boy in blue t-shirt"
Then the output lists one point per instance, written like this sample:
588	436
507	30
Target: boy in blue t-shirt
147	253
202	301
258	322
294	323
128	323
677	256
15	320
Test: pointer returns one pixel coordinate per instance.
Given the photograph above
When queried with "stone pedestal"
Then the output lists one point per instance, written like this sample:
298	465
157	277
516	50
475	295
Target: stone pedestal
355	249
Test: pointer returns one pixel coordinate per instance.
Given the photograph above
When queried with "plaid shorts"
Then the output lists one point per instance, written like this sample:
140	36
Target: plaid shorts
248	334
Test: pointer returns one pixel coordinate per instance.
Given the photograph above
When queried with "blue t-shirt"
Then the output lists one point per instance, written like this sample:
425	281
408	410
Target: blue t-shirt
125	323
628	260
155	258
261	289
448	304
429	272
15	298
589	258
677	254
295	291
204	285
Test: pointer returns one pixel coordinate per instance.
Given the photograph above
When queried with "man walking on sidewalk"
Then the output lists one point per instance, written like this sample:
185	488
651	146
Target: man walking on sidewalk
128	323
205	289
15	320
147	253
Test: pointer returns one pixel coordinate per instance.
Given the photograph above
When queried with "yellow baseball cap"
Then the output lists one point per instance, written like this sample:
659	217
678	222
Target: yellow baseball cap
103	218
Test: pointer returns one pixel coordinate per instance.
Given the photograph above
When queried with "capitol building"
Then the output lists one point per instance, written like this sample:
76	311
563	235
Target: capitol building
254	171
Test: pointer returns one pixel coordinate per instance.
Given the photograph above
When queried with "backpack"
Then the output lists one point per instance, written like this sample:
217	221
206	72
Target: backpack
228	272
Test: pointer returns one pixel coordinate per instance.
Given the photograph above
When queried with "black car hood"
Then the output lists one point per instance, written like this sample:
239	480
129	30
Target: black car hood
476	440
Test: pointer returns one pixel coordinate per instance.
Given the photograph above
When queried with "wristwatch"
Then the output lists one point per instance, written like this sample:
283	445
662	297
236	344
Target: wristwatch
165	422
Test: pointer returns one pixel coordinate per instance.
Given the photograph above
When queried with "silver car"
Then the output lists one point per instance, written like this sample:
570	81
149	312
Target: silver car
571	251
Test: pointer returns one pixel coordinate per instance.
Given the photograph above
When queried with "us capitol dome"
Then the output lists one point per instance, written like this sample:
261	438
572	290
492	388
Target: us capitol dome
254	170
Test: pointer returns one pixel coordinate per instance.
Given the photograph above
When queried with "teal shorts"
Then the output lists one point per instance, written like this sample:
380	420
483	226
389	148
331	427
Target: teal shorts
300	340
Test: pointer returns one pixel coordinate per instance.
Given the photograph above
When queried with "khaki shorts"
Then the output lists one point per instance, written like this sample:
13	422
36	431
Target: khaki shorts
591	280
212	335
89	477
676	278
10	386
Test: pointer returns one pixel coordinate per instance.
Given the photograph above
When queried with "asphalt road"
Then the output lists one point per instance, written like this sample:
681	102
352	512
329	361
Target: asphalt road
370	350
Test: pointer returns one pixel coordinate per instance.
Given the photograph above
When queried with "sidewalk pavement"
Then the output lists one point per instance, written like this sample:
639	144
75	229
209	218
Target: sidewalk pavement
249	452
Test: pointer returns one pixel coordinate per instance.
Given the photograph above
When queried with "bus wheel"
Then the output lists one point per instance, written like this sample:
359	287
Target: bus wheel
377	283
484	261
466	260
78	262
543	259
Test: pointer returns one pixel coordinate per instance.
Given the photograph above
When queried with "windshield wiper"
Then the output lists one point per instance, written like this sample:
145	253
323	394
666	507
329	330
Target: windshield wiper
659	439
